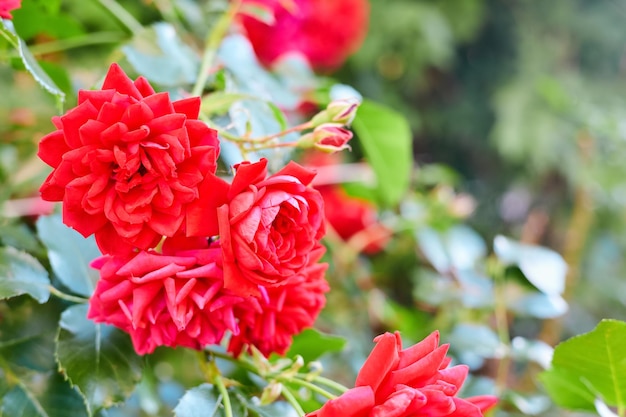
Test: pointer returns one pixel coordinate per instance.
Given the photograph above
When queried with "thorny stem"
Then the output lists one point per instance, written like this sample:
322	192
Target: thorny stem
212	43
123	16
67	297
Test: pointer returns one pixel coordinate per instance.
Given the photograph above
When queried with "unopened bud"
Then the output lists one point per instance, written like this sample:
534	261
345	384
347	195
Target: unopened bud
338	111
329	137
271	392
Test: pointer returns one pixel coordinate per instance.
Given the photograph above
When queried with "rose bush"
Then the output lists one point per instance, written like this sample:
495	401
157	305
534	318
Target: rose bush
268	226
325	32
416	381
127	161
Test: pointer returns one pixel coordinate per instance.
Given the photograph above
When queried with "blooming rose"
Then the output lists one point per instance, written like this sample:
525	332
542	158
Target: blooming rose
174	299
270	321
127	161
6	6
404	383
324	31
267	226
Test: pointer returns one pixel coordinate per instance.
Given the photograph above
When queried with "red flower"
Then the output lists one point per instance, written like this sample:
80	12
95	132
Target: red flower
165	300
6	6
405	383
267	226
324	31
127	161
349	215
270	321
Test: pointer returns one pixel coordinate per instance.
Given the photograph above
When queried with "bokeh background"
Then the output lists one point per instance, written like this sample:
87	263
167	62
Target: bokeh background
518	119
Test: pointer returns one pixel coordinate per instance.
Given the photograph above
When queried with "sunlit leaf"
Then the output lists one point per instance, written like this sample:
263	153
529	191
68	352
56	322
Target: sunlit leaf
30	63
387	142
69	254
99	360
543	267
590	366
311	344
20	273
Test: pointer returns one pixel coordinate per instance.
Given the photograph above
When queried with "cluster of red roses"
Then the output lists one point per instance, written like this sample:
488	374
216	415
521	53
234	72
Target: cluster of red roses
138	171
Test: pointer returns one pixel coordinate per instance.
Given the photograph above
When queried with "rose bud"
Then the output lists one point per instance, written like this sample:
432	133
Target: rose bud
338	111
329	137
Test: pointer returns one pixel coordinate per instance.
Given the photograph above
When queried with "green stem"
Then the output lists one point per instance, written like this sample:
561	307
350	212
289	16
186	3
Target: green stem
212	43
292	400
77	42
67	297
219	383
330	383
310	386
241	362
502	325
127	19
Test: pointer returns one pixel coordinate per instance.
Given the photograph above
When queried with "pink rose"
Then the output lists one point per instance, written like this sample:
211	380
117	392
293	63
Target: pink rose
268	226
324	31
173	300
127	161
270	320
6	6
416	381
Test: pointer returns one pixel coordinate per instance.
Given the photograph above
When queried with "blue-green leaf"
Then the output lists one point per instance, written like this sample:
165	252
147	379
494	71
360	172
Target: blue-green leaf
543	267
20	273
201	401
162	57
70	254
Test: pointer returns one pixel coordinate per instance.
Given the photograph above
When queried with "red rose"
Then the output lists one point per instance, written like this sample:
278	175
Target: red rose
127	161
165	300
404	383
270	321
324	31
267	226
6	6
349	215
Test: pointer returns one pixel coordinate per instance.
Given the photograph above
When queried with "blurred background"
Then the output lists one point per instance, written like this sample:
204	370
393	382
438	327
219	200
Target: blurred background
518	123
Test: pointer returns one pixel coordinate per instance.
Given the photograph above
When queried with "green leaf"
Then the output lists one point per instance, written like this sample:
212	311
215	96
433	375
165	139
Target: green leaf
30	62
162	57
311	344
543	267
42	395
258	11
27	333
201	401
20	273
69	254
98	360
590	366
387	142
